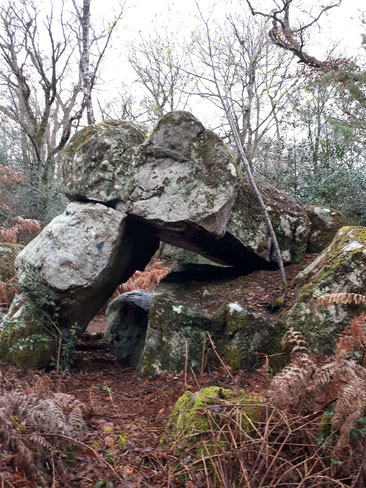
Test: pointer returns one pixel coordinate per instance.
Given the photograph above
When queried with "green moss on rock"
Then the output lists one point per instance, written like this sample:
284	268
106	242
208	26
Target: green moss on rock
289	220
180	255
341	268
244	335
99	158
170	325
81	138
173	320
194	413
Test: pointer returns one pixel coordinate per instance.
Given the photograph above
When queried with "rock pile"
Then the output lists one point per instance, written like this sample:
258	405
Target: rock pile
129	192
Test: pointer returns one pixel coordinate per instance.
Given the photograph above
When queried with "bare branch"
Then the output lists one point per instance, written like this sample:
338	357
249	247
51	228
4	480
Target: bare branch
291	39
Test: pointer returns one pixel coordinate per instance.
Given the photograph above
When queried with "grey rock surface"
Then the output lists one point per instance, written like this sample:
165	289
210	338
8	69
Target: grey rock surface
174	321
341	268
83	254
289	219
185	176
78	260
325	223
126	317
100	160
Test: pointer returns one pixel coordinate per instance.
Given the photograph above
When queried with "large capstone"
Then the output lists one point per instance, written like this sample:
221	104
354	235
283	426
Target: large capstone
100	161
183	182
185	177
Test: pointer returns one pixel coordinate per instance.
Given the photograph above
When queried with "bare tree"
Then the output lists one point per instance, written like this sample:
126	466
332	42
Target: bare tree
91	44
289	33
30	78
220	82
257	79
42	82
123	105
292	37
159	64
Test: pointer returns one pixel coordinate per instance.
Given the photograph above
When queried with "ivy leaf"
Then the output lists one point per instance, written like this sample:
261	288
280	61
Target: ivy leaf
336	461
99	484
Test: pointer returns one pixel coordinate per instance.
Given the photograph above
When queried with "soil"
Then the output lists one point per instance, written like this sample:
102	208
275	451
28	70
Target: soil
126	415
255	291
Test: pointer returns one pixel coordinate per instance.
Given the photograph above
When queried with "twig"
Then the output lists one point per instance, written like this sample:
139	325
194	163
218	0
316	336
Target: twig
217	354
186	366
195	379
203	356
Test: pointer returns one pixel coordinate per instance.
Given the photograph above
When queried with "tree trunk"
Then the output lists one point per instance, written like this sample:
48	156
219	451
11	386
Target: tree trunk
85	62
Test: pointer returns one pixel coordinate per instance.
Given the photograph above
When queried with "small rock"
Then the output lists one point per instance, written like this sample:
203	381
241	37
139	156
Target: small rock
126	325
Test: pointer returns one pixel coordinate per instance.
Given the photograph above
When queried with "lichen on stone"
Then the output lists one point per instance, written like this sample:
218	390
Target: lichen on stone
341	268
325	222
170	326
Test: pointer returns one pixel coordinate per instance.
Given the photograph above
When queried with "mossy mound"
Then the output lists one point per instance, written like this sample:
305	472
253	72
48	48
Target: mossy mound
8	253
341	268
195	415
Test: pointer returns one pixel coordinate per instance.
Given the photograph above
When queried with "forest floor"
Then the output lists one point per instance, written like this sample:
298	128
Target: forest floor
126	415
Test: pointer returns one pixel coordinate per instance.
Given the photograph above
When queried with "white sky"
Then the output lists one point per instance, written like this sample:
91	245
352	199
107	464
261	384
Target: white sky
341	23
141	17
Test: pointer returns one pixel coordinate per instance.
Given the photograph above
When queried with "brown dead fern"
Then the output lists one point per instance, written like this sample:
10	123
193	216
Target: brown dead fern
287	387
353	339
8	235
296	340
8	290
145	280
339	298
34	423
22	232
305	387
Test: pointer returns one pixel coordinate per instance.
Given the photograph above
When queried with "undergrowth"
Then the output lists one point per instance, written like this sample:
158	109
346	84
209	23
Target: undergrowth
21	232
41	308
312	429
36	427
8	289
